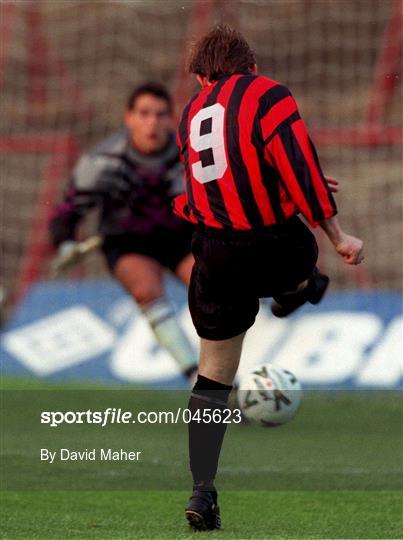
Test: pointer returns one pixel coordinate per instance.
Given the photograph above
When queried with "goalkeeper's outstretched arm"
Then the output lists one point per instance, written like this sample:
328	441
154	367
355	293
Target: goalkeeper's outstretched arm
62	228
67	215
71	253
81	196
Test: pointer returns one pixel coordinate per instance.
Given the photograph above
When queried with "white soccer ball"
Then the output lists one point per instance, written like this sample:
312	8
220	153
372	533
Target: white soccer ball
269	395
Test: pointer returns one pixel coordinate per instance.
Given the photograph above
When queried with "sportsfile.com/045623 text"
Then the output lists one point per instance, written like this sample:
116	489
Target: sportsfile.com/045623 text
114	415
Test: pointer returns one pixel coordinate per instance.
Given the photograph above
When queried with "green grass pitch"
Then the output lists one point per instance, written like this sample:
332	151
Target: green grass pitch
245	514
333	472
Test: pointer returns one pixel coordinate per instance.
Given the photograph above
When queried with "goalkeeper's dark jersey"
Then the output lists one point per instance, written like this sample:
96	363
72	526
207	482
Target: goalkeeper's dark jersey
248	159
133	192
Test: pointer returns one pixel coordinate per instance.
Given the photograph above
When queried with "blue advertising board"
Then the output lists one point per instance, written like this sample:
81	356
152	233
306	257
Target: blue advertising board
92	330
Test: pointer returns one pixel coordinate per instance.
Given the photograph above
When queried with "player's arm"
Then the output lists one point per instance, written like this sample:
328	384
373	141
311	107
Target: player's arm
179	204
80	197
290	150
63	227
67	215
333	184
348	247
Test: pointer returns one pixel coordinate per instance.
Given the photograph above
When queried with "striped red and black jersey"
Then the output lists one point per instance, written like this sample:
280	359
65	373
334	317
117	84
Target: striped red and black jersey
248	159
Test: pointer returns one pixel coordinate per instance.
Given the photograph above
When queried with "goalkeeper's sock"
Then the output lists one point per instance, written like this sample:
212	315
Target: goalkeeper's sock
170	335
205	438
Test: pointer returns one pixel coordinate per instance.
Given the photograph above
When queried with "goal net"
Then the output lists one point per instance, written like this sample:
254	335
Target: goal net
67	67
341	61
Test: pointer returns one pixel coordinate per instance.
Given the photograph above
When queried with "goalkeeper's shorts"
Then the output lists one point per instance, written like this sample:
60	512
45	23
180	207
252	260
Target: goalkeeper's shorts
233	269
167	246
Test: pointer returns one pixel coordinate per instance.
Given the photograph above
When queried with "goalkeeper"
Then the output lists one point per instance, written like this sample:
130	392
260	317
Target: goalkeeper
131	177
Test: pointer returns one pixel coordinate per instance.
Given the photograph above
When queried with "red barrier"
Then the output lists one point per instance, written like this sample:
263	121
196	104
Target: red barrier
8	17
63	150
387	69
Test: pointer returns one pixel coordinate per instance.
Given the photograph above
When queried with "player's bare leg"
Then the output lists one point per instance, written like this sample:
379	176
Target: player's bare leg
142	278
219	362
184	269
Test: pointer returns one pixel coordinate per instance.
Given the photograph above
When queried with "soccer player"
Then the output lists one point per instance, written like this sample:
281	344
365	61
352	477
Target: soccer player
132	178
250	168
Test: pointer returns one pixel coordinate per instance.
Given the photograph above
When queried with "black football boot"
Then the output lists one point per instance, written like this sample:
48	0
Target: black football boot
285	304
202	511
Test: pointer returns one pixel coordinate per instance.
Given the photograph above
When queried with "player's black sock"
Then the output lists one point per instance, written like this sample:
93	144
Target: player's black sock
205	438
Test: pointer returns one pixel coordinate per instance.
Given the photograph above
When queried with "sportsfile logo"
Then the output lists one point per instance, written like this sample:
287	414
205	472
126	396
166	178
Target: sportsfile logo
113	415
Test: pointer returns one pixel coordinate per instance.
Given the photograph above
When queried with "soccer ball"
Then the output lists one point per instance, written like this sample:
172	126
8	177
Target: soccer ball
269	396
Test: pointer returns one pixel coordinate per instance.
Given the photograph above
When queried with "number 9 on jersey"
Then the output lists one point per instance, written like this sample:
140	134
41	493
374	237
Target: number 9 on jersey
207	138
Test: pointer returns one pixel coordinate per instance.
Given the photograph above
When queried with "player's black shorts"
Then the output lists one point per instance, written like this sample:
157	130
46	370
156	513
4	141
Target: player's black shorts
234	269
169	247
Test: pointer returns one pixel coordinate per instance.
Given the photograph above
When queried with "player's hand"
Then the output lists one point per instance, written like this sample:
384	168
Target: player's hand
66	249
350	249
333	184
67	254
70	253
